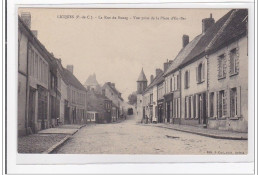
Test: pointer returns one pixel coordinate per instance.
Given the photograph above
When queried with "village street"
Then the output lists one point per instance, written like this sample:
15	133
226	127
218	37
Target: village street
130	137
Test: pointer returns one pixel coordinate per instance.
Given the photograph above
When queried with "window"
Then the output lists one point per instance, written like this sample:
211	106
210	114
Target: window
221	66
222	106
211	104
187	79
177	82
200	72
151	98
233	102
233	62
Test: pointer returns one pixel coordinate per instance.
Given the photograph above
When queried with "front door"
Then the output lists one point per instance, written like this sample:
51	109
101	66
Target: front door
202	108
168	111
31	116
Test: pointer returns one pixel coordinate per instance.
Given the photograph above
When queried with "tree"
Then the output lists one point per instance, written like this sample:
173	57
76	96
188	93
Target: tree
132	98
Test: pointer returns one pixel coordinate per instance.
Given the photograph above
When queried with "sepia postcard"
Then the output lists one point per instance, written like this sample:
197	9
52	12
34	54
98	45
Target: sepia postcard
133	82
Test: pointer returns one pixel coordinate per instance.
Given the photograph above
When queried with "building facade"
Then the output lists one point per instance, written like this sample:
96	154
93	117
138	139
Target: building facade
228	76
110	91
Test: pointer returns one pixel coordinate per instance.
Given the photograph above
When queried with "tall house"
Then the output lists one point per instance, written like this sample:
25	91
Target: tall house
141	86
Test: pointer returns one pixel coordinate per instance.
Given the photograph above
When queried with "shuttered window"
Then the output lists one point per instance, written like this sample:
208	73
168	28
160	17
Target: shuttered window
234	62
221	66
187	79
233	103
222	104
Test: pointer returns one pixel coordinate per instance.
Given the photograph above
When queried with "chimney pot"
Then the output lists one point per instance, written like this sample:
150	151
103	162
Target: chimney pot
185	40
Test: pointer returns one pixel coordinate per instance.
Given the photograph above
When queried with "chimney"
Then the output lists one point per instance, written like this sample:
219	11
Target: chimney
151	78
35	33
70	68
185	40
166	65
158	71
113	85
207	23
26	17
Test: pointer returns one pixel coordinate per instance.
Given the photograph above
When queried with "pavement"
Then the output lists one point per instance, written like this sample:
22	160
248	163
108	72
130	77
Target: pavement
218	134
130	137
46	141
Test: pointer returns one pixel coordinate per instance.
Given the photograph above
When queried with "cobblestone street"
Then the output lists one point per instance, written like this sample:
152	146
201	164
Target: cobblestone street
129	137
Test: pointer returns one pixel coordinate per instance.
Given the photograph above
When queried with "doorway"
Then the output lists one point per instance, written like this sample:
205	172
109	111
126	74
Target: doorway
202	108
31	114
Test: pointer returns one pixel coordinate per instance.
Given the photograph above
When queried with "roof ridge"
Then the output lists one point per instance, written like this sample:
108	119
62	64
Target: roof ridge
220	31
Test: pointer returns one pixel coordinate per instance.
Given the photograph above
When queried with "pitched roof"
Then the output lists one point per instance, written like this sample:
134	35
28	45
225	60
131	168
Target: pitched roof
235	28
142	76
109	84
199	50
71	79
182	55
155	81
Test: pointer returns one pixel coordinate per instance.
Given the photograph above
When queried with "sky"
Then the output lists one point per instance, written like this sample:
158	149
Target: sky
116	49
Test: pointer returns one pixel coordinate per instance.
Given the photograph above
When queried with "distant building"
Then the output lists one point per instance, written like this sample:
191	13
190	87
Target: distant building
92	83
110	91
76	98
99	105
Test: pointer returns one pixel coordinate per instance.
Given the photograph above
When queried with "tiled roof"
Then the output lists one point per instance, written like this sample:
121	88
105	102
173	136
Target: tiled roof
114	90
182	55
206	38
142	76
235	28
155	81
71	79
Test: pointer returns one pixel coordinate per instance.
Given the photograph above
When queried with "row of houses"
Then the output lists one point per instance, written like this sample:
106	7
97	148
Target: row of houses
49	94
113	107
206	84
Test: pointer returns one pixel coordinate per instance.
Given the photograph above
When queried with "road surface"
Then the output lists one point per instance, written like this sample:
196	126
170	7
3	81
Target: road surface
130	137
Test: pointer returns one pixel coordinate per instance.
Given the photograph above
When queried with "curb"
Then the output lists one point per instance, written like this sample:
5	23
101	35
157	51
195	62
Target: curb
57	145
54	147
205	134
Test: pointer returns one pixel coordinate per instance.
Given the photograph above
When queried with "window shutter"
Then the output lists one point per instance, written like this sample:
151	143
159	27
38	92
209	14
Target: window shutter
203	71
191	107
179	106
189	78
219	67
239	102
224	65
217	104
197	75
237	60
225	103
